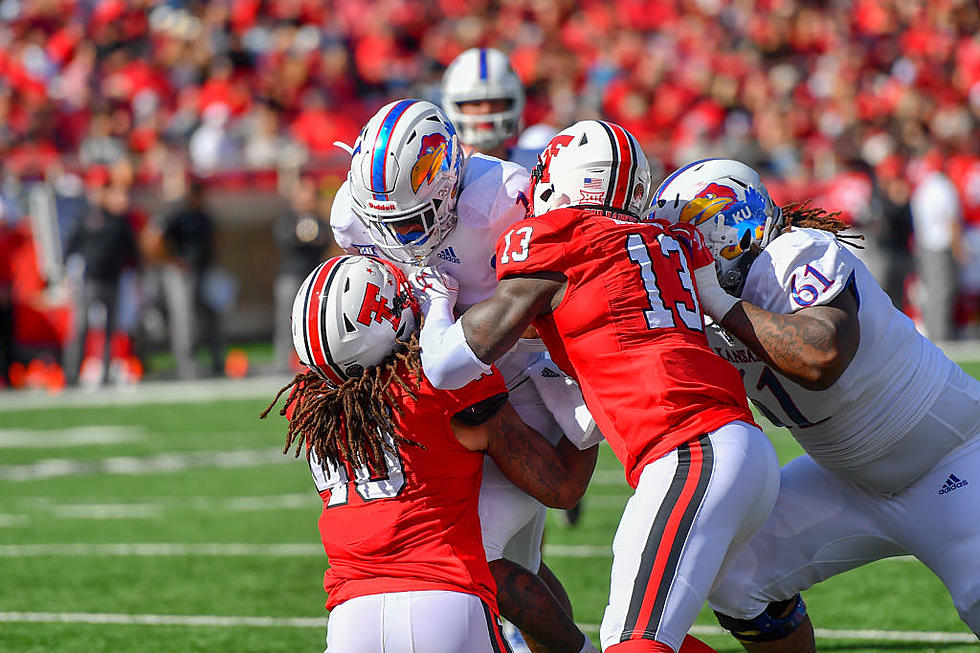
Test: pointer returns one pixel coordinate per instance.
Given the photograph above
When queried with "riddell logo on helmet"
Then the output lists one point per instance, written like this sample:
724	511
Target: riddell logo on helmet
387	206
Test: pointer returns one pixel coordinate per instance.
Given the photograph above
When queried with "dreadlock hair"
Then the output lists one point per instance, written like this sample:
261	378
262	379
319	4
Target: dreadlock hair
802	215
351	422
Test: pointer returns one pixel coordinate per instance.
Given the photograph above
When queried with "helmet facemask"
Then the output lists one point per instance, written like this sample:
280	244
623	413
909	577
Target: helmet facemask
405	178
413	236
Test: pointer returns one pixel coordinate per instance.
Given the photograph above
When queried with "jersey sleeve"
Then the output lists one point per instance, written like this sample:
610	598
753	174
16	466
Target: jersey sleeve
531	245
348	232
510	204
472	393
805	267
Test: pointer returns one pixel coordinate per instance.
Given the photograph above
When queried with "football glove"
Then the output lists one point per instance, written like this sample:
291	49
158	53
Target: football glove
431	285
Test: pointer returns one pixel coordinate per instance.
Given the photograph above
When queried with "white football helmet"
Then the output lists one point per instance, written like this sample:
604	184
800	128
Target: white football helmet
349	314
728	203
405	177
595	164
483	74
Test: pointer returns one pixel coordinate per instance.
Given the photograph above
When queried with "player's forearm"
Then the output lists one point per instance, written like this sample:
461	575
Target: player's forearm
527	602
554	475
494	326
802	346
491	331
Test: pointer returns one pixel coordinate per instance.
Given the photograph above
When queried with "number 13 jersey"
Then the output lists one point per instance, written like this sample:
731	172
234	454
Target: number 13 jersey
629	328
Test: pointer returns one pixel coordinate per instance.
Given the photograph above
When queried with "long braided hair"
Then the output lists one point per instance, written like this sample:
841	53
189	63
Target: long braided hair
352	422
802	215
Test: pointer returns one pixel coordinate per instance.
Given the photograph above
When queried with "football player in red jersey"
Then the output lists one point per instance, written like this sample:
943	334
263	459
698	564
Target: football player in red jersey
398	464
616	302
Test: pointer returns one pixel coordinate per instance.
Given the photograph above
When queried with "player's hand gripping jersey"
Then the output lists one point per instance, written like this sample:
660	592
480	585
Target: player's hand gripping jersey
415	525
896	376
629	328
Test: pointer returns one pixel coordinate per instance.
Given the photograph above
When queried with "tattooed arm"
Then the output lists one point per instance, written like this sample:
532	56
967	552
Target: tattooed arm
812	346
554	475
493	326
529	602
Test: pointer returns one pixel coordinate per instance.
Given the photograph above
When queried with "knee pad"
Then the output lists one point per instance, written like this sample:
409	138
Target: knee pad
768	626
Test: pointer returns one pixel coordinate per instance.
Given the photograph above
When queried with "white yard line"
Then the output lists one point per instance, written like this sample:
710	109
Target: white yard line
235	549
869	635
320	622
160	619
13	521
150	392
128	465
71	437
82	509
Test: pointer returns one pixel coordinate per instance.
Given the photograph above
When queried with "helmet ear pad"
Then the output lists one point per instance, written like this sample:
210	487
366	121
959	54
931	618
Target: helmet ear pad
350	314
404	180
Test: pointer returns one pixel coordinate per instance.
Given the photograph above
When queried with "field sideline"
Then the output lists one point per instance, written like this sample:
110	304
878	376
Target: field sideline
165	518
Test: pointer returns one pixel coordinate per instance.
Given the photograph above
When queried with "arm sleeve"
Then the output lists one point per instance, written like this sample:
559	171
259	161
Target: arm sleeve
447	359
805	267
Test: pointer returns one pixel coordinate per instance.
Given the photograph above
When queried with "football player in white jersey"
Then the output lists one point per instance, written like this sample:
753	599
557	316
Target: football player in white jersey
414	198
890	425
484	98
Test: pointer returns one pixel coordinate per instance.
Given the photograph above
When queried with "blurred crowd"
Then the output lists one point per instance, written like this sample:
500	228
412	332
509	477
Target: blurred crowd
854	103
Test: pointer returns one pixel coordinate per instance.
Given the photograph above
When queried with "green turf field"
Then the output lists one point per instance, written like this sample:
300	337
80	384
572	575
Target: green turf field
179	527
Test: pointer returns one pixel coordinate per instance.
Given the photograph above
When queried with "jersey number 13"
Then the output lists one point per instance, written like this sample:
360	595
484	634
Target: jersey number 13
686	306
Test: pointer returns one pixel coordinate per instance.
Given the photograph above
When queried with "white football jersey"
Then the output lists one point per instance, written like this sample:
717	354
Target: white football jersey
896	374
491	200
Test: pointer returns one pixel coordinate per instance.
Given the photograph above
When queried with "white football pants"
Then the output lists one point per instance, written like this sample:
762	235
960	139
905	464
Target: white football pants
693	509
512	520
431	621
823	525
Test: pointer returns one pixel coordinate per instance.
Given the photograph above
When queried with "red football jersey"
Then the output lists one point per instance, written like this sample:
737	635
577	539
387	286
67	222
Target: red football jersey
414	526
629	328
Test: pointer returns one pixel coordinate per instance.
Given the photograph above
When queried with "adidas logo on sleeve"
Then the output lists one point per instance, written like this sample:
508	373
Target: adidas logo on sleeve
952	483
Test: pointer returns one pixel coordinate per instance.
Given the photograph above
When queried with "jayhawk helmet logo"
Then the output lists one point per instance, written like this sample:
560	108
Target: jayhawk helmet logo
433	157
721	202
